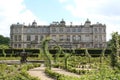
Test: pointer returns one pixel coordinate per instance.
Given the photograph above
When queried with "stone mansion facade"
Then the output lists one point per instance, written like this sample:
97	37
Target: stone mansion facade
68	36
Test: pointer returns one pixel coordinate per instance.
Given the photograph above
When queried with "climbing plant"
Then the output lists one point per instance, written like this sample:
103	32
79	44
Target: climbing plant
46	52
56	56
102	56
87	55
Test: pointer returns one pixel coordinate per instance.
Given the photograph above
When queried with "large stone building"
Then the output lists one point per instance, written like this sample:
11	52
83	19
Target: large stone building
68	36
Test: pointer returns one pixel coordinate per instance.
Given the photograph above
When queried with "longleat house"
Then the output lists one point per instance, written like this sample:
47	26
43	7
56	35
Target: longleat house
68	36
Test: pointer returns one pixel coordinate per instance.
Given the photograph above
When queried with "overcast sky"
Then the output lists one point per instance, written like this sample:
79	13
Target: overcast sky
45	11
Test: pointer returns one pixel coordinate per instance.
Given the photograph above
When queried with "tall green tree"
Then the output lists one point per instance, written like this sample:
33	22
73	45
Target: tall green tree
4	40
115	47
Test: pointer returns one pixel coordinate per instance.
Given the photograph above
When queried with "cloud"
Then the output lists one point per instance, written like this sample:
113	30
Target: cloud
103	11
63	1
111	8
13	11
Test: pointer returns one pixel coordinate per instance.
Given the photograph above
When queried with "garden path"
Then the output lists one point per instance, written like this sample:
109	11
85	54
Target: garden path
39	72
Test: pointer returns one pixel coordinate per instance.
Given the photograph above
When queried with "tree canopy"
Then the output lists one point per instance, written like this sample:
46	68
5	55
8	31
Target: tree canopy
115	46
4	40
112	41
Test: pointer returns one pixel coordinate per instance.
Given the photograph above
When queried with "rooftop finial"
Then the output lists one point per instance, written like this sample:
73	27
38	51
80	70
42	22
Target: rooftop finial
34	23
87	21
62	22
70	23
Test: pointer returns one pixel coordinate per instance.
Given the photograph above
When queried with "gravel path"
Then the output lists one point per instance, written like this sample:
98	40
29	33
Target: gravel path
39	72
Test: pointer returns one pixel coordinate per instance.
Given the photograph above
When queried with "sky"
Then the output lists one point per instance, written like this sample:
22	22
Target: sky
46	11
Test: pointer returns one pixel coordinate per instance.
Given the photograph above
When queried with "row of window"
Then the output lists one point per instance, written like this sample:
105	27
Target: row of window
65	45
26	46
28	38
67	29
16	37
59	38
77	29
99	30
61	29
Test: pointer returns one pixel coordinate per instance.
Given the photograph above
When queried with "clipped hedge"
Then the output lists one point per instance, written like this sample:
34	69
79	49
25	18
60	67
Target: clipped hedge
93	52
58	76
35	52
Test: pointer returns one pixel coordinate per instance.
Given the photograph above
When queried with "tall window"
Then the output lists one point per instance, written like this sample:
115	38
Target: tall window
100	45
39	30
28	45
96	46
53	29
87	37
88	45
15	37
36	38
74	38
42	29
60	29
79	38
15	45
11	37
68	29
28	38
100	30
19	45
79	29
68	37
73	29
47	29
86	29
19	38
100	37
95	29
61	37
54	37
41	37
104	30
96	38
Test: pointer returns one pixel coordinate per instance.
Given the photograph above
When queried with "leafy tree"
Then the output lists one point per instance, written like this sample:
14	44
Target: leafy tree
115	46
3	47
109	43
4	40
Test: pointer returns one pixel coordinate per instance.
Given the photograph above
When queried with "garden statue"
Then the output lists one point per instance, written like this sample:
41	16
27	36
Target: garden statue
23	56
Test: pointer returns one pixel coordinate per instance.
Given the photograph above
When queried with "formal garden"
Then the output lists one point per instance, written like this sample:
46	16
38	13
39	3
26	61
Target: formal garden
64	64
